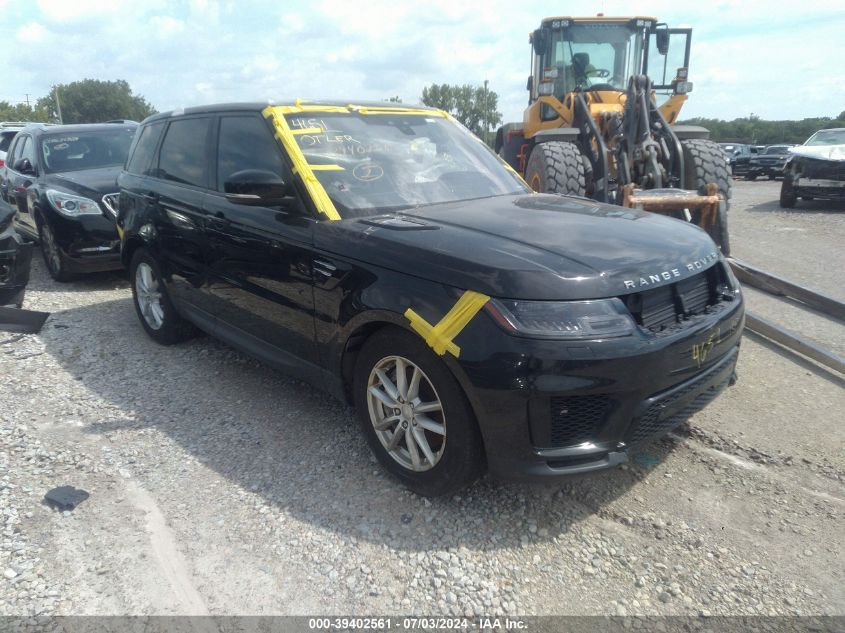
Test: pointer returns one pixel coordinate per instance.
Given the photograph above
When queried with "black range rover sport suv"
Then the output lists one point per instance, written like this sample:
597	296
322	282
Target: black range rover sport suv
388	256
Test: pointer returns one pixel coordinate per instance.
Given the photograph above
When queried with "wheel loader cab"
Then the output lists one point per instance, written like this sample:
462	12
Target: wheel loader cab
599	56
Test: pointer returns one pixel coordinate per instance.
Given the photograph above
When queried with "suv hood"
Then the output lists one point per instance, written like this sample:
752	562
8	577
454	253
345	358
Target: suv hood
542	247
91	183
820	152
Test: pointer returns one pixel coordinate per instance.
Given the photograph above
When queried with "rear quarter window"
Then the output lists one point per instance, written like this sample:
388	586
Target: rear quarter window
141	161
6	140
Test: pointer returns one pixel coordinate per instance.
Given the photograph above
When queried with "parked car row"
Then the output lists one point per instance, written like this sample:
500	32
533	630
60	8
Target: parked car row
387	256
755	161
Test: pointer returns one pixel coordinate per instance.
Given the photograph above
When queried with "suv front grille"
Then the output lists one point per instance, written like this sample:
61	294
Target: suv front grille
660	308
822	169
577	419
654	422
650	425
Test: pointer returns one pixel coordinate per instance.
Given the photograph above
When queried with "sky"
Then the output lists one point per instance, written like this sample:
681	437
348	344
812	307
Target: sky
776	60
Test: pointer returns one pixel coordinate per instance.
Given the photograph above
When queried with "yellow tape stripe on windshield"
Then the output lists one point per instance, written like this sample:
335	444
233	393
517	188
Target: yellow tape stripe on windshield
301	166
300	107
318	195
308	130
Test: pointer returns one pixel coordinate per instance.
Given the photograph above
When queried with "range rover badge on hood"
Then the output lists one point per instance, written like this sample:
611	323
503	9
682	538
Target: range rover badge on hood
652	279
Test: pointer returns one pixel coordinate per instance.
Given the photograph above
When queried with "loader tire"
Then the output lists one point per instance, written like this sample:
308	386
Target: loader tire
704	162
556	167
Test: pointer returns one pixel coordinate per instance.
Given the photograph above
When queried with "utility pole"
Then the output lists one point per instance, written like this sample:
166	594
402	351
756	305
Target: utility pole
486	121
59	106
27	99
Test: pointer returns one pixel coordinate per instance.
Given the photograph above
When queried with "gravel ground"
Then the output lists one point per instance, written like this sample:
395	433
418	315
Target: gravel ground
221	487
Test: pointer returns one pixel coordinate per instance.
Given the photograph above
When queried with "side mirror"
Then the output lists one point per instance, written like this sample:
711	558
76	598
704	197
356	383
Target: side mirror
538	40
661	38
24	166
256	187
529	85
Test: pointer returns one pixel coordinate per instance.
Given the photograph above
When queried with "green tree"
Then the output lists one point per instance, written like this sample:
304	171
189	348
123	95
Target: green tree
474	106
753	129
395	99
21	112
95	101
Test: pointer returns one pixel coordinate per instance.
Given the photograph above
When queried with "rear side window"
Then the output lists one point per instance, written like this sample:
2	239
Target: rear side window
26	149
183	152
6	140
246	143
141	161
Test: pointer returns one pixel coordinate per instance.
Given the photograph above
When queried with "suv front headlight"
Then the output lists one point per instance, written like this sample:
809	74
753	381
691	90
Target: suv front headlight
71	205
568	320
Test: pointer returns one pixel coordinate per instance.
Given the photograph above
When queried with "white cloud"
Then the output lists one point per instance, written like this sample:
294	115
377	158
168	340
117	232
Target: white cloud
165	27
747	57
70	10
30	33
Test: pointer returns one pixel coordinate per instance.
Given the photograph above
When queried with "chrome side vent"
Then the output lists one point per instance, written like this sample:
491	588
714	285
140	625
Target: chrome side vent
110	202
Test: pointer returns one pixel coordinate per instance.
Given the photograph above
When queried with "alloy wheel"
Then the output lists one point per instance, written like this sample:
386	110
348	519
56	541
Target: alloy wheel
406	413
50	248
148	295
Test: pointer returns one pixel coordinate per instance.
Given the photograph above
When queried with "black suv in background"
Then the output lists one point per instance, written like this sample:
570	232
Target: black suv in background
739	155
387	255
61	181
770	162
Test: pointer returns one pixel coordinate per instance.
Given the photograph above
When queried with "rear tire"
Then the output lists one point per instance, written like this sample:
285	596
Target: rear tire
556	167
53	257
704	163
787	193
458	450
155	310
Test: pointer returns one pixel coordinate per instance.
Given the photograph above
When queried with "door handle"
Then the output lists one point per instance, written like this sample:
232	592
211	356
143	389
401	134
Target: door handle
151	196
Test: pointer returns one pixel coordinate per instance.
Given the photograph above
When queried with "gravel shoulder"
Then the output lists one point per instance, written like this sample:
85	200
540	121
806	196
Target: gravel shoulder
262	497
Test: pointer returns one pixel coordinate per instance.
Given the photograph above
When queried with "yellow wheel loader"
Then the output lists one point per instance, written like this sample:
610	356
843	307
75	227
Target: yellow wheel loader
593	127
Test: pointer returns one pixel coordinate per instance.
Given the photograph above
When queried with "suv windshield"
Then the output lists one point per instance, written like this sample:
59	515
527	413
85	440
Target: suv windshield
86	150
372	163
827	137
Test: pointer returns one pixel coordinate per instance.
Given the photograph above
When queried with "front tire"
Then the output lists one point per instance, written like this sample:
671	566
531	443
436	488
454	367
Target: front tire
787	193
155	310
415	416
704	163
53	257
556	167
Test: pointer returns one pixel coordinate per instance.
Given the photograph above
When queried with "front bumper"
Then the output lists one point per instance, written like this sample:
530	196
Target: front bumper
776	171
88	244
563	409
15	260
820	188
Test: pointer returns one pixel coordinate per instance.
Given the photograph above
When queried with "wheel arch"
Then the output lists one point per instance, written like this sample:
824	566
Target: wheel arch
128	248
367	324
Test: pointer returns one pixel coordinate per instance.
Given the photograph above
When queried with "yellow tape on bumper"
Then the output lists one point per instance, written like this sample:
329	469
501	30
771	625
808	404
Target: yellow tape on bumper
440	337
